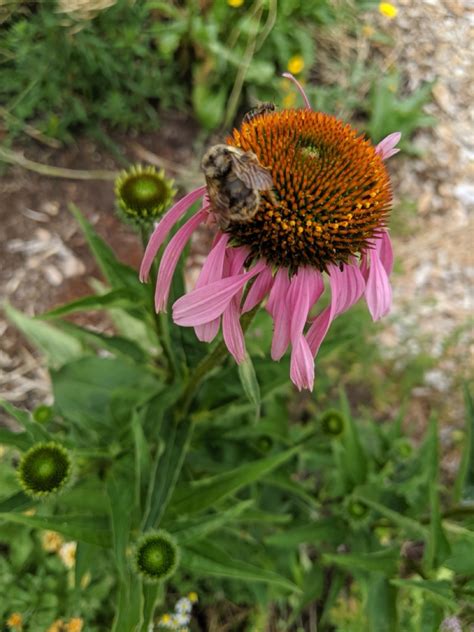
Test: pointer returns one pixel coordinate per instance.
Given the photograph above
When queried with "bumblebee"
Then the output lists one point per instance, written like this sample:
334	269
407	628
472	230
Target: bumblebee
234	179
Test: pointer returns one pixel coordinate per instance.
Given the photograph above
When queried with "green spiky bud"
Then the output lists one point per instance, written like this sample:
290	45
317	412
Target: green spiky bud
156	556
42	414
332	423
143	194
356	512
44	469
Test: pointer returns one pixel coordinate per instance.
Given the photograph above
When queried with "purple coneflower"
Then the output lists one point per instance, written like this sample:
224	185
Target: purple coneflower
326	215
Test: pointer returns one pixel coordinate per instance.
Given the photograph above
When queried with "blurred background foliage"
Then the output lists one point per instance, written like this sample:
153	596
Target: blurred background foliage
76	65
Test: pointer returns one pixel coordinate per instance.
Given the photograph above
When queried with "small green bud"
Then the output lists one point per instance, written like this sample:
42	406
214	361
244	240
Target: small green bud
44	469
143	194
356	512
42	414
332	423
156	556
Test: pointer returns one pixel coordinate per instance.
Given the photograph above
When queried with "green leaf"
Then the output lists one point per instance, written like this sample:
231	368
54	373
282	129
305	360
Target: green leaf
407	524
355	459
58	346
209	103
91	529
248	379
116	298
440	592
117	345
18	501
166	468
85	390
201	494
209	560
381	605
464	485
189	531
121	493
129	605
324	530
384	561
438	548
116	273
19	440
34	431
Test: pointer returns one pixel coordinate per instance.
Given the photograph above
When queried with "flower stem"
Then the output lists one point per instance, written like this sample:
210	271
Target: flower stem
207	364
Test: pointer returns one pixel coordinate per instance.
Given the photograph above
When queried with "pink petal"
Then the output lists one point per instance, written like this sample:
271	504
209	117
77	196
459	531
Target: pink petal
171	257
279	309
306	287
260	288
386	252
231	328
302	364
289	76
347	286
386	147
232	331
212	270
207	303
378	292
161	231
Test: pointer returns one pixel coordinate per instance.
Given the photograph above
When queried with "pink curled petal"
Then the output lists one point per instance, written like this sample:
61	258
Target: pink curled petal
162	229
302	365
260	288
213	266
232	331
299	297
289	76
280	287
352	287
208	331
279	309
386	252
171	257
236	258
378	292
318	330
207	303
386	147
212	270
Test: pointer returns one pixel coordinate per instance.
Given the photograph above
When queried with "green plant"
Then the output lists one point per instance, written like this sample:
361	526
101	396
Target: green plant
267	509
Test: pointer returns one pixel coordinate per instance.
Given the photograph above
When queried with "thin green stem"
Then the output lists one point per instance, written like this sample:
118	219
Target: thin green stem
159	323
203	369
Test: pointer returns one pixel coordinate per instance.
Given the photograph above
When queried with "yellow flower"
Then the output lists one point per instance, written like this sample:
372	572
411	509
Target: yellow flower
15	620
388	10
235	3
75	625
295	64
57	626
165	618
67	553
193	597
51	541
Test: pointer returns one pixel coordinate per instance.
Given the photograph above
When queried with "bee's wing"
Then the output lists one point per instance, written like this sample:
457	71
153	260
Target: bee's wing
250	171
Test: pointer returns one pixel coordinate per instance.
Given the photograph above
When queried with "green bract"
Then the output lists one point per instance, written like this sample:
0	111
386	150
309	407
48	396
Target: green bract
44	469
156	555
143	194
332	423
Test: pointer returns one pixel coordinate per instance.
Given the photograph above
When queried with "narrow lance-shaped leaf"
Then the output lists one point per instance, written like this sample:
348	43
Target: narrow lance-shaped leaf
199	495
58	346
464	485
248	379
